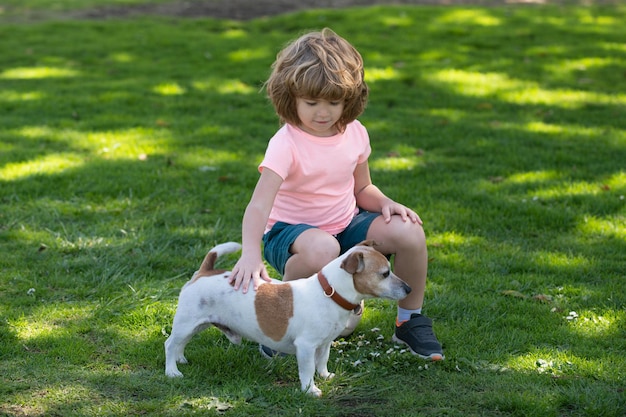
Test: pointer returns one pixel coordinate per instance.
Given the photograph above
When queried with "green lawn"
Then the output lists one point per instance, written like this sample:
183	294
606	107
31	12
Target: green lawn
129	147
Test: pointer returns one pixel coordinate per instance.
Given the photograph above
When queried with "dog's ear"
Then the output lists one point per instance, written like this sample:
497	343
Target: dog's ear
353	263
368	243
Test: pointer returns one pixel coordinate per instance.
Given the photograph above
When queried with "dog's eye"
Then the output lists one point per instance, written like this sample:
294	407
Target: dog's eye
385	274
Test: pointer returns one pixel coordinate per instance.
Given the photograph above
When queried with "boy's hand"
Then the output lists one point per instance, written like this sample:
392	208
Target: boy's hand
248	270
391	207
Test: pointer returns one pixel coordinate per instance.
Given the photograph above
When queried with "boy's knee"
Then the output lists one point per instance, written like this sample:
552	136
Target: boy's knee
322	252
317	247
399	234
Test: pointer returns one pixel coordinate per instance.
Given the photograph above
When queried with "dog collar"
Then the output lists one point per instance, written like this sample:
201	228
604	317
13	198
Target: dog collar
329	291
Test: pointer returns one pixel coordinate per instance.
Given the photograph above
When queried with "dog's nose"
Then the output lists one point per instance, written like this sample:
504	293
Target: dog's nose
407	289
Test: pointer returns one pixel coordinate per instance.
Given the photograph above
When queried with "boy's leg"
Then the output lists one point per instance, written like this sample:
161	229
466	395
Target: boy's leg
408	242
298	251
310	252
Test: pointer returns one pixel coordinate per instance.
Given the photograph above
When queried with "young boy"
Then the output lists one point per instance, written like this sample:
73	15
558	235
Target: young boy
315	199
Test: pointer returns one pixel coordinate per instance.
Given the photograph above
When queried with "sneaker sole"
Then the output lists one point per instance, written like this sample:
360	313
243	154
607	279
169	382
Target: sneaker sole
274	356
434	357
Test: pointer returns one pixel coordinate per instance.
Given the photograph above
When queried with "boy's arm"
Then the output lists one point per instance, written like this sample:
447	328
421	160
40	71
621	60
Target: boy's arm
370	198
250	267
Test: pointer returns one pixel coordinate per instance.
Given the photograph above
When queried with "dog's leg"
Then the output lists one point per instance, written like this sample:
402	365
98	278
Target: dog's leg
174	352
306	368
321	361
182	332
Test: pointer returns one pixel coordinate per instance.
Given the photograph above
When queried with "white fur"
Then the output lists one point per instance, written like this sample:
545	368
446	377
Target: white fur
316	322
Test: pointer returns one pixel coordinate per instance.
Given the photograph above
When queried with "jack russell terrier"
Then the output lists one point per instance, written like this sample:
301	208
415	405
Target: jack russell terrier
302	316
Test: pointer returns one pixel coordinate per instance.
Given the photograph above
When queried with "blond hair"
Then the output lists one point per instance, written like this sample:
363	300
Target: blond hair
318	65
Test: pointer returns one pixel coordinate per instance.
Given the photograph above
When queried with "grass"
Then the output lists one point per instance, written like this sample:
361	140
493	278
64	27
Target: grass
129	147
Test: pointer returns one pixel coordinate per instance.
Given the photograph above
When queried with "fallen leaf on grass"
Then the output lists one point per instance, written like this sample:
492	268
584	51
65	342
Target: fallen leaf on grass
544	298
514	293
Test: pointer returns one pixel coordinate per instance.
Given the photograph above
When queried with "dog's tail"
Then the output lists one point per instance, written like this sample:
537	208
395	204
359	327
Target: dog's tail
216	252
225	248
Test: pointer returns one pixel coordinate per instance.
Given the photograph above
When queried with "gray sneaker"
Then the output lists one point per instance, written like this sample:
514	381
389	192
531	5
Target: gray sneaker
269	353
418	335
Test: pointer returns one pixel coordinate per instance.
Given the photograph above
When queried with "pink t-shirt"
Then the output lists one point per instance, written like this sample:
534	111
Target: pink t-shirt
318	176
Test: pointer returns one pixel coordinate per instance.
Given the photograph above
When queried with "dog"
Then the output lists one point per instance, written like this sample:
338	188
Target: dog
300	317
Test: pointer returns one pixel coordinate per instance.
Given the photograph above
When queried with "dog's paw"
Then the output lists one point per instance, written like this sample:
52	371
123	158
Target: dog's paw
314	391
326	375
173	373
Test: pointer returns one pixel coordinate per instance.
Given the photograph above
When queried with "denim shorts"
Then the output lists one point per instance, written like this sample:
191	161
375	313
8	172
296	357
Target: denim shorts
277	242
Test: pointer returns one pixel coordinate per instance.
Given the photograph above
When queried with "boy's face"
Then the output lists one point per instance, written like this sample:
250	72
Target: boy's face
319	116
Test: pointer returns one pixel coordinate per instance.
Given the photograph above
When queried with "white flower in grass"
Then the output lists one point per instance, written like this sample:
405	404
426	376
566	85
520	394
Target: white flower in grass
572	316
31	291
375	329
357	363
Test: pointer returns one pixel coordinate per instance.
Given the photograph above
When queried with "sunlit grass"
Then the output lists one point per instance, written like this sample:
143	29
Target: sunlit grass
130	144
244	55
402	20
453	239
224	86
581	65
38	73
394	163
560	260
373	75
46	165
505	88
470	17
533	177
169	89
592	324
15	96
614	226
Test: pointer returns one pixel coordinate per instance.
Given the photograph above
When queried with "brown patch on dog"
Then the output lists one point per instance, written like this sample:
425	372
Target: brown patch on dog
206	269
361	267
274	307
353	263
369	242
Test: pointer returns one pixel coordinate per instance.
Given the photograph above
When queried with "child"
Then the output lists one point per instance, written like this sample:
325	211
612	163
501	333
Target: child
315	199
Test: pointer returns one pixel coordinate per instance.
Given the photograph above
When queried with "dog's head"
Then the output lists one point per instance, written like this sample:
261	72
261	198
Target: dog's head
371	272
